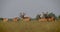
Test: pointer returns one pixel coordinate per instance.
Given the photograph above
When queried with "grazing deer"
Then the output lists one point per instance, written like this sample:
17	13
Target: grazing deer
5	19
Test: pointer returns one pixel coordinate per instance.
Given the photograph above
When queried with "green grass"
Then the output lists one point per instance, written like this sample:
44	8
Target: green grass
32	26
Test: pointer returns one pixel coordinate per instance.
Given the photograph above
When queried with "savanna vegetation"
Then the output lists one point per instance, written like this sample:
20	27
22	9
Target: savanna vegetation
31	26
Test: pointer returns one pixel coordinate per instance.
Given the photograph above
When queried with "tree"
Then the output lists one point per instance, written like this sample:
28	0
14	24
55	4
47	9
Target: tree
52	15
38	16
1	18
59	16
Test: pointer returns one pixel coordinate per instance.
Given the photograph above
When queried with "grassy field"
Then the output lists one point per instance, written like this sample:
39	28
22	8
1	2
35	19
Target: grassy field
32	26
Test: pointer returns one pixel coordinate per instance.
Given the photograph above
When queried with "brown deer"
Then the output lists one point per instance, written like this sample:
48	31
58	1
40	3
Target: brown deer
15	19
5	19
51	19
24	18
43	19
46	17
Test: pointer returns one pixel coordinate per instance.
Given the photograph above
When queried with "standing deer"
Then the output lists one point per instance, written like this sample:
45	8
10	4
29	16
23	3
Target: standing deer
22	15
5	19
15	19
44	17
51	18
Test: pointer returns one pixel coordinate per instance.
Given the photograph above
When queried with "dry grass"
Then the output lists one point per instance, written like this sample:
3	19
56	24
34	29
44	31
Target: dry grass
32	26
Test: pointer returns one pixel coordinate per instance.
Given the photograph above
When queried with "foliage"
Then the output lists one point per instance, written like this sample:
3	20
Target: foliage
1	18
52	15
59	16
31	26
38	16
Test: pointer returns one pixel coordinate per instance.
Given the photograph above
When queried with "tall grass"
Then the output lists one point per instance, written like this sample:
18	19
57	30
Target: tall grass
31	26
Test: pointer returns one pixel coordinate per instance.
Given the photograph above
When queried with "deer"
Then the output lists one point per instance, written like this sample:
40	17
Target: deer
51	19
15	19
5	19
24	18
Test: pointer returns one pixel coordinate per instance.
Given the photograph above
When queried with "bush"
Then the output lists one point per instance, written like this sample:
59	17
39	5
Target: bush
1	18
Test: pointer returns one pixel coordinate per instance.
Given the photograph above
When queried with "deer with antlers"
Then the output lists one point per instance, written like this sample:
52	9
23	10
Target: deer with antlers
23	17
46	17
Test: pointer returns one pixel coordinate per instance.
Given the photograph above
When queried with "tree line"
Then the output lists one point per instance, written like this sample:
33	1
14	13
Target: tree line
38	16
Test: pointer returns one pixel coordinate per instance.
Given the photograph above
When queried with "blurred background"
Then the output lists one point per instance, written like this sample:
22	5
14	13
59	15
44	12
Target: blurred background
12	8
30	20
